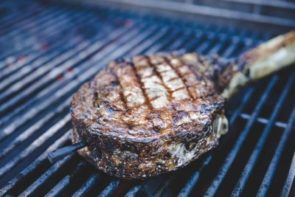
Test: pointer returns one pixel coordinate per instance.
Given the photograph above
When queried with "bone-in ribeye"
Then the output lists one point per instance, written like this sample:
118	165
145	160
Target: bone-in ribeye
154	114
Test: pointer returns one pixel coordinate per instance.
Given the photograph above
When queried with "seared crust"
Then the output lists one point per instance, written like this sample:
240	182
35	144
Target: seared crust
149	115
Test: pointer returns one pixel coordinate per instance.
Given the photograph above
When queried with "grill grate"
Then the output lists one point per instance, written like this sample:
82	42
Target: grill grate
49	50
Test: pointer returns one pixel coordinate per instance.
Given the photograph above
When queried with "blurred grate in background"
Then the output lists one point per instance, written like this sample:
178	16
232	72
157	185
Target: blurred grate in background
48	49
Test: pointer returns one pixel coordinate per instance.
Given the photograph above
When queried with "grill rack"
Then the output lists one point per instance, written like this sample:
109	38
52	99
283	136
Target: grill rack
40	75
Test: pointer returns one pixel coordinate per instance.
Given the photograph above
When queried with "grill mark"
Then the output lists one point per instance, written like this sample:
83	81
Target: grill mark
174	78
169	95
122	97
163	72
94	102
149	76
196	74
167	61
181	88
186	74
158	74
184	81
155	98
146	98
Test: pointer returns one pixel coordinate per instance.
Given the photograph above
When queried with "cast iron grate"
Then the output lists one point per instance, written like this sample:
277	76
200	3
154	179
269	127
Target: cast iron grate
47	51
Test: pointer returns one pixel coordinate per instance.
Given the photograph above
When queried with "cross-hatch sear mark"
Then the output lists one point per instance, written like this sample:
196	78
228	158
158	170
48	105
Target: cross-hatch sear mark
175	83
118	98
157	94
171	80
138	78
149	84
132	90
184	92
187	72
200	72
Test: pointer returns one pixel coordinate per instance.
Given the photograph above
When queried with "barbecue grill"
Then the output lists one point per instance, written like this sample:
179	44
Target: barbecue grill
48	49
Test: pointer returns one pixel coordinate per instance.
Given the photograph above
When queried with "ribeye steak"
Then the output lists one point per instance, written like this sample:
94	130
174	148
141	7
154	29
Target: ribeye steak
152	114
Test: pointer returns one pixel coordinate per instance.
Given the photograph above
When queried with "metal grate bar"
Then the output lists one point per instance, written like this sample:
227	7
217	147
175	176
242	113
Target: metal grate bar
38	125
157	48
14	72
13	144
11	11
174	46
47	17
63	185
37	119
234	48
143	47
39	138
189	46
60	188
25	153
22	20
68	64
192	182
34	165
129	43
264	120
86	187
110	188
133	191
29	27
154	49
205	46
146	46
53	100
233	152
189	186
41	47
50	42
53	170
244	102
262	139
100	35
290	179
273	166
221	44
26	134
40	29
51	76
42	69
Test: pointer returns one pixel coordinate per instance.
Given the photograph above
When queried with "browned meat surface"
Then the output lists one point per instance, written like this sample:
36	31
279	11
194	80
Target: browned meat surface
149	115
154	114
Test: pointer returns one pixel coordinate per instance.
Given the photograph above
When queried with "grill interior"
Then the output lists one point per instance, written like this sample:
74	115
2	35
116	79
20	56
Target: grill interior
48	50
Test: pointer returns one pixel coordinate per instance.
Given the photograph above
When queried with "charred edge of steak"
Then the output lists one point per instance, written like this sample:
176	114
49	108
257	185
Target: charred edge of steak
194	124
127	159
